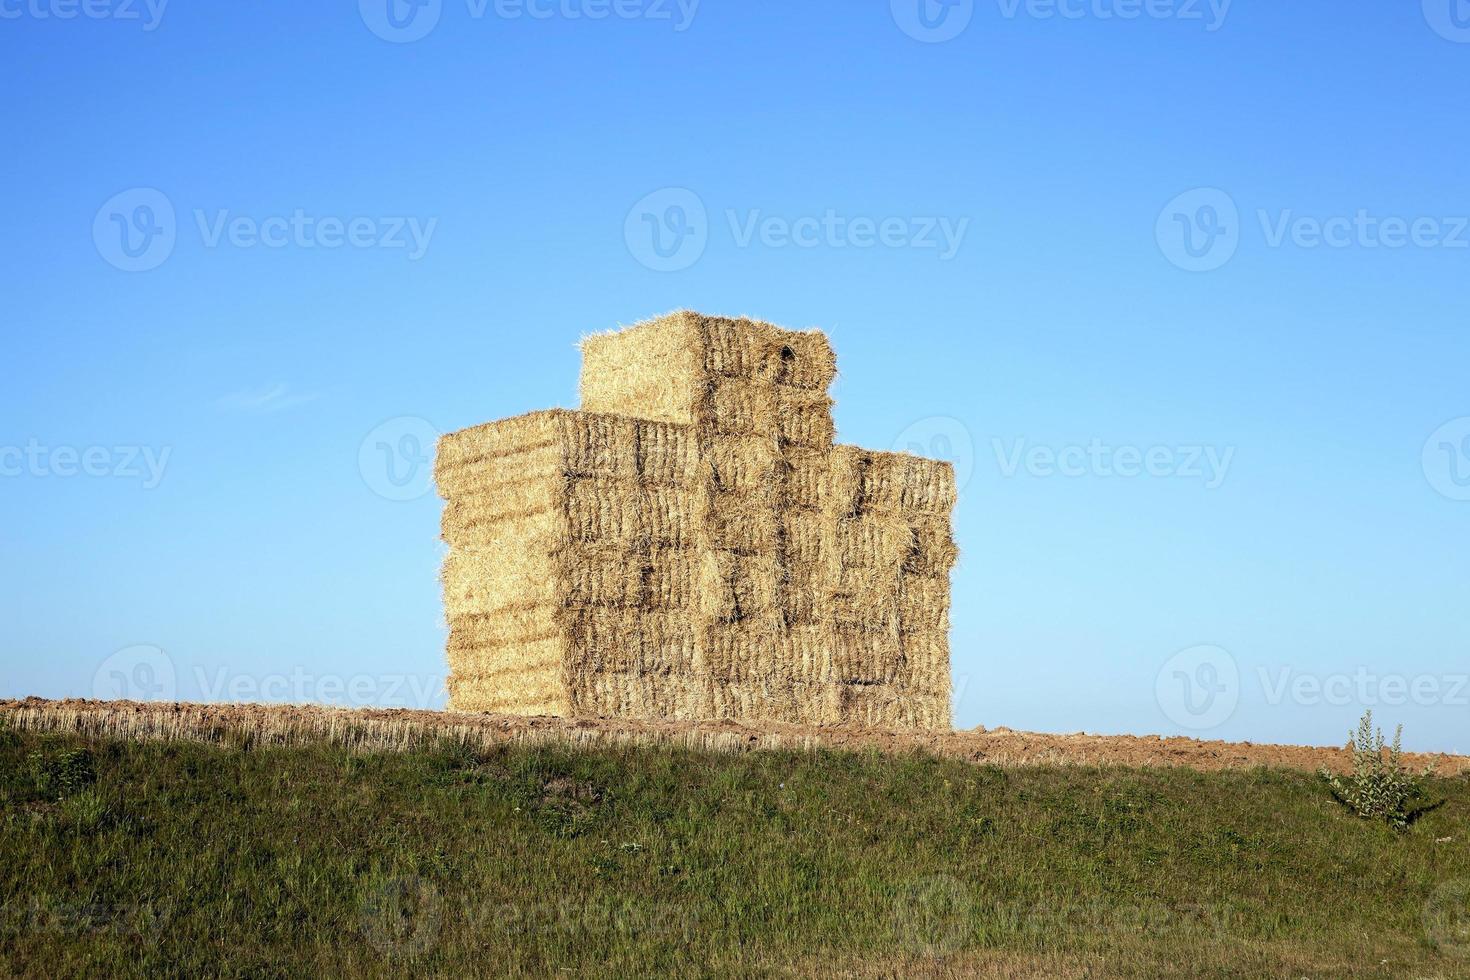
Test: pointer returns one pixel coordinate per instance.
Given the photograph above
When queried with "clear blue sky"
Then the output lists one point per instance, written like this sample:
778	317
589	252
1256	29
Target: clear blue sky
1328	541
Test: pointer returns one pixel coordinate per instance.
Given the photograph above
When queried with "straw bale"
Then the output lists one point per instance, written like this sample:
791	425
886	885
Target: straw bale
901	482
841	484
744	523
734	587
692	545
524	694
525	513
533	657
741	406
673	578
605	510
933	551
668	454
655	370
803	418
873	541
671	516
600	575
662	369
923	603
810	537
744	464
512	450
485	581
472	632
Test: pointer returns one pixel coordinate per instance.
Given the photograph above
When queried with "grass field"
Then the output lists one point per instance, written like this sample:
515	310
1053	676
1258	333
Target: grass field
133	858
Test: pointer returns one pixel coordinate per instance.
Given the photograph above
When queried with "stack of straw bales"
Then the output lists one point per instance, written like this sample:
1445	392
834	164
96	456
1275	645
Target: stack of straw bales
692	545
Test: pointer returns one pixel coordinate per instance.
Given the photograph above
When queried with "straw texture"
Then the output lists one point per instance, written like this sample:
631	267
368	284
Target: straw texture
691	545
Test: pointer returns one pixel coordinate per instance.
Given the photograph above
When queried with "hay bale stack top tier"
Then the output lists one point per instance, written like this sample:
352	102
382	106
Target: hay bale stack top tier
691	544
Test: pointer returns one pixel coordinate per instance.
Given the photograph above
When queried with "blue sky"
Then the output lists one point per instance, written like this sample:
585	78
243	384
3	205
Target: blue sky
1180	285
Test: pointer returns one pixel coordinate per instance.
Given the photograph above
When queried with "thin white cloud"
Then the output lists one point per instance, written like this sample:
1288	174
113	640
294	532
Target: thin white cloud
267	400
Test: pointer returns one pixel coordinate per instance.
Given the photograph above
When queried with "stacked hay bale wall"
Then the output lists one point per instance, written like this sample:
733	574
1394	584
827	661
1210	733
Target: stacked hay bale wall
691	544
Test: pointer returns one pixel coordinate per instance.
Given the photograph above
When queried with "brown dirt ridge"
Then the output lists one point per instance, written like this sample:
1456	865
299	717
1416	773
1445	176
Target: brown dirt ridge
399	730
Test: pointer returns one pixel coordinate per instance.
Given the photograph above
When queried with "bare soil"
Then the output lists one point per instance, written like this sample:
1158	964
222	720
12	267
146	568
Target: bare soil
392	729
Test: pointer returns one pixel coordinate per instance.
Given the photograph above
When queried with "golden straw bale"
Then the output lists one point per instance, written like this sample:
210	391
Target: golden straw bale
740	522
804	418
507	628
734	587
901	482
740	406
672	578
523	694
923	603
668	454
672	516
692	545
933	551
744	464
664	368
601	510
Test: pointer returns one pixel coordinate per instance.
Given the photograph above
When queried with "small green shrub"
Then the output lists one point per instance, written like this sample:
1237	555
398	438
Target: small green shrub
64	774
1380	788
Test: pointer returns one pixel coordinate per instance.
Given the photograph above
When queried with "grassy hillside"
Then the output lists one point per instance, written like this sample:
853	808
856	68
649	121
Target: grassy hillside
135	858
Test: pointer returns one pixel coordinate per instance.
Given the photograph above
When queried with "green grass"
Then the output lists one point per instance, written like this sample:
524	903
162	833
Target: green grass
125	858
